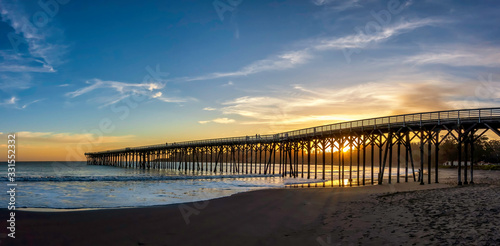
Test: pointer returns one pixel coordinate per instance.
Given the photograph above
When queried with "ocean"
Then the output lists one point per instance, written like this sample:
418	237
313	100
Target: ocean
76	185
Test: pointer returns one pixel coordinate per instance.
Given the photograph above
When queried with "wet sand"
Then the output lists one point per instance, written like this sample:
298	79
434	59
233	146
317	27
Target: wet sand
397	214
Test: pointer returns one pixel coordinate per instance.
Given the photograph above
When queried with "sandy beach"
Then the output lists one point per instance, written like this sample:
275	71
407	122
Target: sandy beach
396	214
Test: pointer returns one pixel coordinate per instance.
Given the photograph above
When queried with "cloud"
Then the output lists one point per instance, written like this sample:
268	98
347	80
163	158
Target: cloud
45	137
230	83
209	109
120	87
28	52
110	100
294	58
13	103
157	95
175	100
458	56
41	55
337	5
218	120
24	68
32	102
124	90
10	101
305	105
223	120
279	62
35	134
362	40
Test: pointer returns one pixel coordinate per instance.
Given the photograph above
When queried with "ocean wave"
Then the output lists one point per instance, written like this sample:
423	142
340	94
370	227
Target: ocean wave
128	178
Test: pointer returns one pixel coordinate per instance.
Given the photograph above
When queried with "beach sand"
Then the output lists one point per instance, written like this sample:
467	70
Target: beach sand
396	214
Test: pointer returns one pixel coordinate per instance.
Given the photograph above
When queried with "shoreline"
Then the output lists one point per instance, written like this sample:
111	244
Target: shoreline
301	184
310	185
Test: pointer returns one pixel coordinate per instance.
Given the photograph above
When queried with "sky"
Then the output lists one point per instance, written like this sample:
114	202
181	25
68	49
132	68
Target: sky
79	76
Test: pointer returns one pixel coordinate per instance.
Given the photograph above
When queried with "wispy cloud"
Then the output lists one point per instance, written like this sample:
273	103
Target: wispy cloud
337	5
124	90
362	40
218	120
65	137
294	58
29	51
279	62
209	109
120	87
29	103
17	68
470	56
40	51
13	103
23	63
223	120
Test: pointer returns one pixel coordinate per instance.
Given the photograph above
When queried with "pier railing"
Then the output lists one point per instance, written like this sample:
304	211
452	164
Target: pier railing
416	119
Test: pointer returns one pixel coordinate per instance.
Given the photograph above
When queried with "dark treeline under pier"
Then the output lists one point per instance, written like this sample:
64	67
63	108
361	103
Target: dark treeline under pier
347	152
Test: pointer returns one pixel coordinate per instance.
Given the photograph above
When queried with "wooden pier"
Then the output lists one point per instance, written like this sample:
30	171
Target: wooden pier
347	149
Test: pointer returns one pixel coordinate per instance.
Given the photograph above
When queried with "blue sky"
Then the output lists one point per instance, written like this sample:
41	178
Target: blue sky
161	71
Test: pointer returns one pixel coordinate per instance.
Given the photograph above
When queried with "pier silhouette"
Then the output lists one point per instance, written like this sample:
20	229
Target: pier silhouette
291	153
